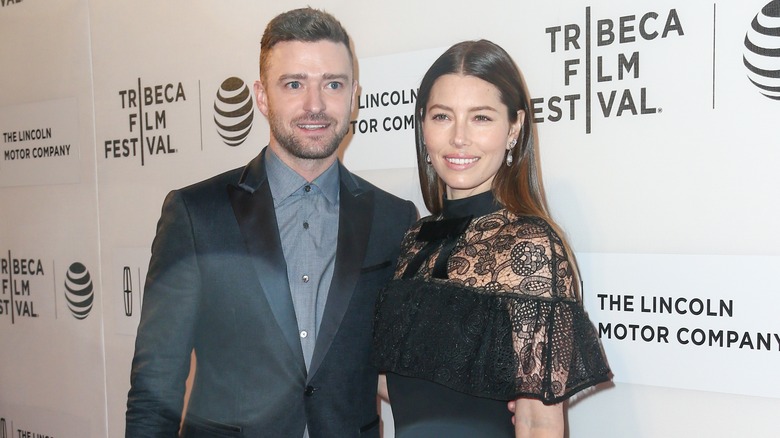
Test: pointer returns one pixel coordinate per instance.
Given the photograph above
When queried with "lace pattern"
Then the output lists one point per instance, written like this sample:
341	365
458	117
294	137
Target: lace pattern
501	252
505	323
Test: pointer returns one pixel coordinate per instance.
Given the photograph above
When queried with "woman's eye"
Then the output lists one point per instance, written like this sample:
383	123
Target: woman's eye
481	118
439	117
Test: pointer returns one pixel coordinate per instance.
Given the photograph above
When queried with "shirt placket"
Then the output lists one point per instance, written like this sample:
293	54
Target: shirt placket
306	278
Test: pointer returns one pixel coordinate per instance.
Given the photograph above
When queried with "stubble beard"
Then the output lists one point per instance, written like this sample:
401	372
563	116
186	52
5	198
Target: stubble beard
318	148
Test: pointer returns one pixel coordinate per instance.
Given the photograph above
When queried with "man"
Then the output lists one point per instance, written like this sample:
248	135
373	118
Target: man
270	272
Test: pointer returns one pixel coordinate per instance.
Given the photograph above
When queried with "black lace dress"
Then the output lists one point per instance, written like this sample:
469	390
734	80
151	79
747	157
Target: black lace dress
482	310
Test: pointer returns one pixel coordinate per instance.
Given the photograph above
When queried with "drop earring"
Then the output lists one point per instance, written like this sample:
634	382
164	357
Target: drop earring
511	147
427	158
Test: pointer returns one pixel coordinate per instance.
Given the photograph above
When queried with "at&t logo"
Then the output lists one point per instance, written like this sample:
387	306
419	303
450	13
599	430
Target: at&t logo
762	50
233	111
79	291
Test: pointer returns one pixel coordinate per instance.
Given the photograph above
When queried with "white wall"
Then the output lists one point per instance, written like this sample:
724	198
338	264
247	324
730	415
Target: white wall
693	179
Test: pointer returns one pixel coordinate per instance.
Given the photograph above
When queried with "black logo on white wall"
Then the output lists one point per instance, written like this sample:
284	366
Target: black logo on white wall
762	50
596	81
127	290
20	286
148	123
233	111
5	3
79	291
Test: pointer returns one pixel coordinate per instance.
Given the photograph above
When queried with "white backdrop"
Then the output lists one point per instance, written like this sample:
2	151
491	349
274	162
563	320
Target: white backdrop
658	154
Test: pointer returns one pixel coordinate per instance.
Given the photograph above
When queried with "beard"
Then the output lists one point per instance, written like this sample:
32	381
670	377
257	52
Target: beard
309	148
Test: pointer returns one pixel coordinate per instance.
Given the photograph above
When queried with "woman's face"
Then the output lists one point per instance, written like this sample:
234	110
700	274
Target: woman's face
467	133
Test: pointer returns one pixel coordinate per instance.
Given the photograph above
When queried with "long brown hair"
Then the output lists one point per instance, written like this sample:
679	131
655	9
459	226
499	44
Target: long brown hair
519	187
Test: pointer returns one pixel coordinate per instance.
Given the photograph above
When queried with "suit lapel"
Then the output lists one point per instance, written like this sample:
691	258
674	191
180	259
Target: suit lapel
253	206
355	218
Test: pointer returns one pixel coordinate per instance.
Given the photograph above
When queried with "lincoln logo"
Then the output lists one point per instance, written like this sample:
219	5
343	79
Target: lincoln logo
762	50
234	111
127	290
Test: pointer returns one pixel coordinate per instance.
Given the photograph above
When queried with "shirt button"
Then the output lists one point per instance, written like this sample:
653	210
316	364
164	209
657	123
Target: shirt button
307	188
305	278
305	225
304	333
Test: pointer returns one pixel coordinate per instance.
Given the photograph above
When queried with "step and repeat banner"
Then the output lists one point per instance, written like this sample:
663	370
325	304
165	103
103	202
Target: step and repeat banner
659	149
52	344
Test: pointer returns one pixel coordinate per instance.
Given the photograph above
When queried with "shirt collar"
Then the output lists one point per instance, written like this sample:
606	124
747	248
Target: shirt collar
284	181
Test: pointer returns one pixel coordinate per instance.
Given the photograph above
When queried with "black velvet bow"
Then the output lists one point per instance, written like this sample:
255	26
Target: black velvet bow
443	229
443	233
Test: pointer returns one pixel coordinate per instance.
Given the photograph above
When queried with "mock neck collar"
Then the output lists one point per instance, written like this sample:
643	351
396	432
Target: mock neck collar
476	206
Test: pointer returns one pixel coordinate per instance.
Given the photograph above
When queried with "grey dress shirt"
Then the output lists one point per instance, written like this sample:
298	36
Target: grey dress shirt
307	214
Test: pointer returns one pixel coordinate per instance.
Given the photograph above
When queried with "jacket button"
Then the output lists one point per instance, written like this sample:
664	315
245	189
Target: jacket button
309	391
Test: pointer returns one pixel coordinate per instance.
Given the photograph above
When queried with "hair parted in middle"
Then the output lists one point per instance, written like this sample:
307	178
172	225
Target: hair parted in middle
518	188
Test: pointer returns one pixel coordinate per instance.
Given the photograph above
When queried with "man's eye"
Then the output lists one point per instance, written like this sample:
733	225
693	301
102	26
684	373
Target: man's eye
334	85
294	85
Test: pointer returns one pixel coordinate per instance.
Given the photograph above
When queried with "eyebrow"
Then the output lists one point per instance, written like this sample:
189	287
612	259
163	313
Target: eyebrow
303	76
293	76
472	109
330	76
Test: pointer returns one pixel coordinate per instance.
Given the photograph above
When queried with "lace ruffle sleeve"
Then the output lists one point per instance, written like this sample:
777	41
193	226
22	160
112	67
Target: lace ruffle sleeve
505	324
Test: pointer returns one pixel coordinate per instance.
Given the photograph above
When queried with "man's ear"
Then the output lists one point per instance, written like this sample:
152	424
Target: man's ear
354	94
261	98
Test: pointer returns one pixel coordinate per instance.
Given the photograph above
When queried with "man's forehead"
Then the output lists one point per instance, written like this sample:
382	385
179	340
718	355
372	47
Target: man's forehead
323	49
309	59
320	47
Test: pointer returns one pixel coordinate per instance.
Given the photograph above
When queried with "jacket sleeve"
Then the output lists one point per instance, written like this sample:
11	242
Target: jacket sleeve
165	334
412	215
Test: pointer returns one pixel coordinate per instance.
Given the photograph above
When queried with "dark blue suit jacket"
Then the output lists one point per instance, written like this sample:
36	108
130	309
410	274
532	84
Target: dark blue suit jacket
217	284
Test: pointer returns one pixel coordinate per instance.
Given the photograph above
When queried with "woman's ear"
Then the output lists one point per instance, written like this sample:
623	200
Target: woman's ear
514	130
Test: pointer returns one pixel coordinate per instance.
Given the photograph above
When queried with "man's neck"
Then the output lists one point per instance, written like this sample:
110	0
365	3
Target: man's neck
307	168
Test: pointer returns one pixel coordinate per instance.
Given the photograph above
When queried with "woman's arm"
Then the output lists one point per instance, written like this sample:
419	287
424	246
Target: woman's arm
381	389
534	419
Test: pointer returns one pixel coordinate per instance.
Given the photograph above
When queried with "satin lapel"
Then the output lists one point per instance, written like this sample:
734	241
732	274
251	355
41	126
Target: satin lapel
355	218
257	221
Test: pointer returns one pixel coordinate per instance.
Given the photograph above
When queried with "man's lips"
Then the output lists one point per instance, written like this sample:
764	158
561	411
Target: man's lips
312	126
314	123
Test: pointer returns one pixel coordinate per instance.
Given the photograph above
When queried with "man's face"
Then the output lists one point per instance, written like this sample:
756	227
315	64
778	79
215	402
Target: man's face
307	93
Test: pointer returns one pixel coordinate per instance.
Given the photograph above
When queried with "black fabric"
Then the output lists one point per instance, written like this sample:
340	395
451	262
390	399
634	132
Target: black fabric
423	409
221	294
442	235
473	320
475	206
464	340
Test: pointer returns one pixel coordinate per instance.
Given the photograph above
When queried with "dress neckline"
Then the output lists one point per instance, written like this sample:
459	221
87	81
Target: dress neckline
477	205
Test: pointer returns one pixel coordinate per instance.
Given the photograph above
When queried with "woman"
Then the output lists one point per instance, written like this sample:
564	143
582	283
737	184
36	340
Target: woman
484	305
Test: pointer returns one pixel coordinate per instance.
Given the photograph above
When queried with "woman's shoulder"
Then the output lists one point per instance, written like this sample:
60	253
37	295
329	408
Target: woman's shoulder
505	222
513	253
